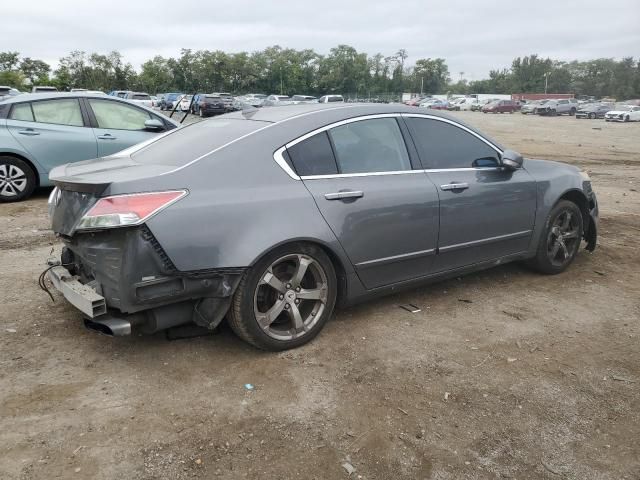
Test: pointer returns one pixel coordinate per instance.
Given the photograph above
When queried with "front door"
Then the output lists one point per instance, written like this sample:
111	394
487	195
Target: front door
118	125
486	211
52	131
383	212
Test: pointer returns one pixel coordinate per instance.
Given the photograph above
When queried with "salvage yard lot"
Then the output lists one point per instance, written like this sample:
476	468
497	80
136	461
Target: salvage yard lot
502	374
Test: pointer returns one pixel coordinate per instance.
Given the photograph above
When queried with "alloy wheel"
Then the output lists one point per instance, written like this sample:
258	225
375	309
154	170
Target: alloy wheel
291	296
13	180
563	237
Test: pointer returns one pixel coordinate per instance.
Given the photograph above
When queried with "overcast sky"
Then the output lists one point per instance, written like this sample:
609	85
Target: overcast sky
473	36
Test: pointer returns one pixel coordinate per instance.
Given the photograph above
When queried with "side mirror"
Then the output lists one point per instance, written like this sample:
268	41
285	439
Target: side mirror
512	160
154	124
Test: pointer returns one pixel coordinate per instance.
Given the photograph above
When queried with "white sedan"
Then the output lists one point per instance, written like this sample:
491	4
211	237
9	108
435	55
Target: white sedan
185	102
624	113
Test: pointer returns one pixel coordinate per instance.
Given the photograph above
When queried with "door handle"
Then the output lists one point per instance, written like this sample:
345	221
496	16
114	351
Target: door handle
106	136
343	195
454	186
30	132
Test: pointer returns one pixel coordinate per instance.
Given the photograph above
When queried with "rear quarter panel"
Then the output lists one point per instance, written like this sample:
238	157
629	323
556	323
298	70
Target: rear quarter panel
240	205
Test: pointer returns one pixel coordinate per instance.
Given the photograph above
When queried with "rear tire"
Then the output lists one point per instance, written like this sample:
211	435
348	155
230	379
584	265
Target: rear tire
626	119
592	116
572	112
285	299
17	180
560	240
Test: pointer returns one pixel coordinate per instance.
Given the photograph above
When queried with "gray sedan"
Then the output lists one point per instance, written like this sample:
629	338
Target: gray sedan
272	217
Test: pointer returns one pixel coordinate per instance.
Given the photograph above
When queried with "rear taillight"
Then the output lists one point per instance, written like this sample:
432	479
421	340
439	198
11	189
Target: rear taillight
125	210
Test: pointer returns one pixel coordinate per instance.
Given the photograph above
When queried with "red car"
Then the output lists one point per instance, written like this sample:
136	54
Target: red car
501	106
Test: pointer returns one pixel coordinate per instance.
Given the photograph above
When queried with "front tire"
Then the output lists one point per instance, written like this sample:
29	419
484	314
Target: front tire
17	180
592	116
285	299
561	239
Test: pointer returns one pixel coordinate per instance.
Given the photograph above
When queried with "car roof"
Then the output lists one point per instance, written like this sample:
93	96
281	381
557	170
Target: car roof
348	110
27	97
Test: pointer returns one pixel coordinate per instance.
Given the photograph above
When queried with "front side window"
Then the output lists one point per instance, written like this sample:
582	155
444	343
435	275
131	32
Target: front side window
59	112
443	145
366	146
22	111
116	115
313	156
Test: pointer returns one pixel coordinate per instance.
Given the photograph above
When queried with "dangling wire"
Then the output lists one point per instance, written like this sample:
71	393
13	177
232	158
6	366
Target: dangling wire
42	281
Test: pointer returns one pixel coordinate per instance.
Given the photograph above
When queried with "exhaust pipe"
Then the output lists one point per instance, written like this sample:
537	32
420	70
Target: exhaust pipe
113	326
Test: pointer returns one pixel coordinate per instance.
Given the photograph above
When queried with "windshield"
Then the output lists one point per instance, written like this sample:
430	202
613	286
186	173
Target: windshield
188	143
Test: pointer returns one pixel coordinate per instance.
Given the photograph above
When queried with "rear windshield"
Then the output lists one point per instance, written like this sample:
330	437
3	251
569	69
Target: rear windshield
141	97
188	143
211	97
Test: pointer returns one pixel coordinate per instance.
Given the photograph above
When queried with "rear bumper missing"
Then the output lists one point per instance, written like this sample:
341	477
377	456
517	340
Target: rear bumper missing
81	296
125	275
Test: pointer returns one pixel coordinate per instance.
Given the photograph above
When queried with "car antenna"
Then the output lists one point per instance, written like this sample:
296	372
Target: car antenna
249	111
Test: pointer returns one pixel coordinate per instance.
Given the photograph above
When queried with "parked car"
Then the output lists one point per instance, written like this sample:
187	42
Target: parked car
227	98
435	104
210	105
593	110
304	99
252	99
462	104
159	99
119	93
41	131
624	113
501	106
184	102
567	106
152	239
277	100
168	101
416	101
6	92
196	102
477	107
331	99
532	107
140	98
43	89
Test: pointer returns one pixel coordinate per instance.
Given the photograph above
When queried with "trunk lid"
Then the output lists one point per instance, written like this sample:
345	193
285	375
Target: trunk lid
80	184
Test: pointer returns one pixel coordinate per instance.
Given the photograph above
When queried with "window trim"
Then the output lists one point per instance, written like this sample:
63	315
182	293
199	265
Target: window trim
280	160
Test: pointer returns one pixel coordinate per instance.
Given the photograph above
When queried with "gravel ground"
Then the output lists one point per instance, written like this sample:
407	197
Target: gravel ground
503	374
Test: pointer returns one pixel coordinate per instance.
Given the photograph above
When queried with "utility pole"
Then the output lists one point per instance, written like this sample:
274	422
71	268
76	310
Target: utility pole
281	84
421	85
546	78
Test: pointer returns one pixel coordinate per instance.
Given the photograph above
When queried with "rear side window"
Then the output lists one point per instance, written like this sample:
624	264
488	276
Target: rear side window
22	111
313	156
442	145
116	115
368	146
58	112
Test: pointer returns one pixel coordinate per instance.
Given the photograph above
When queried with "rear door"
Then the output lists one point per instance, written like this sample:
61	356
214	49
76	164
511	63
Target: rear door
382	210
118	125
486	211
52	131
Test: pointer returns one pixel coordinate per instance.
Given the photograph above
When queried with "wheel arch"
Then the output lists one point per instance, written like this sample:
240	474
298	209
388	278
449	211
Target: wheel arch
336	259
580	199
31	165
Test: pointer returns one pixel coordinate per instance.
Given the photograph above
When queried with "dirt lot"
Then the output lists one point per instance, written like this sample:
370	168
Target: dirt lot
503	374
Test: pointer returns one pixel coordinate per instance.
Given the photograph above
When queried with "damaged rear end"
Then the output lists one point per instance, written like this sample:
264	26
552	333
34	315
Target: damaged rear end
112	267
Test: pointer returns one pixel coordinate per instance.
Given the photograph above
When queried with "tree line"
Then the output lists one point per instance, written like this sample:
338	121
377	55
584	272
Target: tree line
343	70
